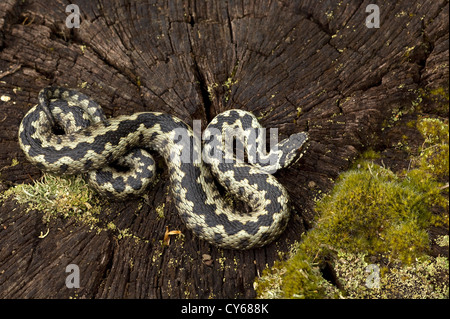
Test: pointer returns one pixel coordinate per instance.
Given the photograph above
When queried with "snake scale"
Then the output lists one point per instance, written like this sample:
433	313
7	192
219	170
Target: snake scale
67	133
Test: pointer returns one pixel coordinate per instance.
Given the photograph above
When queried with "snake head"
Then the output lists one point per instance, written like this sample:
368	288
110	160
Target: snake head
292	148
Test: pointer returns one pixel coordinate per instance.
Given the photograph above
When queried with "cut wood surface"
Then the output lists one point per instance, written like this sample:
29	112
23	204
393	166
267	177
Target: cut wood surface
298	65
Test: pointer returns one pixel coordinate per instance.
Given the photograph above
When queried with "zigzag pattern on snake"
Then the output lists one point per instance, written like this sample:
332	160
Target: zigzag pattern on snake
89	143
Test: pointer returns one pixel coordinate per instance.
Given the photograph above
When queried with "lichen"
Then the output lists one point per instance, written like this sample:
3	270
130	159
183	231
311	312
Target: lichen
424	279
160	210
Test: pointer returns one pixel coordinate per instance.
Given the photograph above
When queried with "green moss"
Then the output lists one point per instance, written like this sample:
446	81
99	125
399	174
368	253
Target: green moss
371	210
440	92
368	155
442	241
58	196
374	214
297	278
439	97
434	157
304	280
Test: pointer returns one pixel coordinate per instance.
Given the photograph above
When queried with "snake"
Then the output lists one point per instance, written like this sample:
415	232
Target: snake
67	133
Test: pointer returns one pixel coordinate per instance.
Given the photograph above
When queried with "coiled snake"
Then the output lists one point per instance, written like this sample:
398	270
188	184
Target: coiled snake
88	143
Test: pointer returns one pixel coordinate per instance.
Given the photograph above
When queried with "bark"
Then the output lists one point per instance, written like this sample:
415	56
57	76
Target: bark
300	66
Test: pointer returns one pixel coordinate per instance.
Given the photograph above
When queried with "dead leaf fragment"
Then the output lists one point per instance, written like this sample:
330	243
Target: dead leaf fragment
167	235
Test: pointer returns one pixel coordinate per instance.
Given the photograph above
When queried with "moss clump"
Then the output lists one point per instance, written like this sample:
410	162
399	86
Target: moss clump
432	99
374	214
439	97
299	278
433	159
304	280
373	210
58	196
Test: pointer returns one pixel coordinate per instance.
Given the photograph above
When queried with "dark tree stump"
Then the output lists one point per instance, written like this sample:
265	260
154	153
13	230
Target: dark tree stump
309	66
